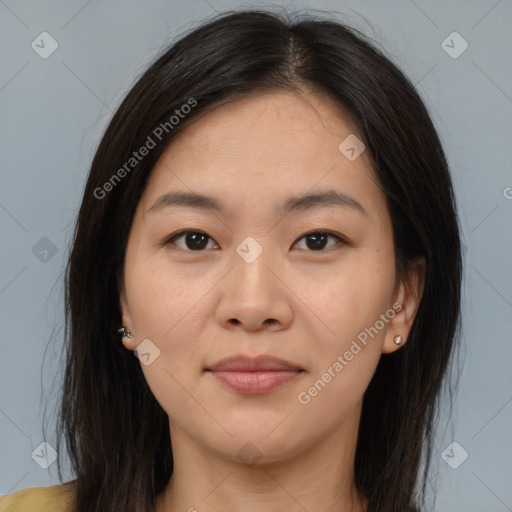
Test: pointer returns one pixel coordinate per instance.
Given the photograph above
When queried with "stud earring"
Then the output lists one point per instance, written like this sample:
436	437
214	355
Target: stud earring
124	332
398	339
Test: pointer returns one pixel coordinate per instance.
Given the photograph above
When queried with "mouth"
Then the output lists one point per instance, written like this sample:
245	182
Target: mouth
254	375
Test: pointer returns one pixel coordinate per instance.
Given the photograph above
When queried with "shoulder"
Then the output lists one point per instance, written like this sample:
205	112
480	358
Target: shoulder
56	498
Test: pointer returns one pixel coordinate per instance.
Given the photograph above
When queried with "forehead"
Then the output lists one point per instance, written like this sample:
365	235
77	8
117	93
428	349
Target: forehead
302	123
263	145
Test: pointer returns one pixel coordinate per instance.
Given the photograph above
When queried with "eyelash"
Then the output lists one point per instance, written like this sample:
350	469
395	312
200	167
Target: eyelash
170	240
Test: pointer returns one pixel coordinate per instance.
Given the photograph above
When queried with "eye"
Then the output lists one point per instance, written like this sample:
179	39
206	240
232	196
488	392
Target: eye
318	239
197	240
193	240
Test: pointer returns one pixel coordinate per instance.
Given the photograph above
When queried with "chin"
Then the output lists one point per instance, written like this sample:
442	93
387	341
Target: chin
261	445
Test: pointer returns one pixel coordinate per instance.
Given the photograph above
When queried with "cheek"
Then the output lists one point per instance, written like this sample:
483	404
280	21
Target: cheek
348	345
164	300
166	308
351	298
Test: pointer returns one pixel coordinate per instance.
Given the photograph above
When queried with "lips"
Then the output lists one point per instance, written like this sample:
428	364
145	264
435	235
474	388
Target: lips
254	375
244	363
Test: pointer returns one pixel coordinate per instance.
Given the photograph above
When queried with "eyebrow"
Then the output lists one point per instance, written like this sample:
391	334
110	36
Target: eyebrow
328	198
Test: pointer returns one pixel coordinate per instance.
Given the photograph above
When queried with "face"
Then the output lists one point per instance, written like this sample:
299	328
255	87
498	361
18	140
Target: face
312	284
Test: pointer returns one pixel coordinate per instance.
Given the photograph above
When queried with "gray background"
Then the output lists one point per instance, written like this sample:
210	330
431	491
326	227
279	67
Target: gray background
53	112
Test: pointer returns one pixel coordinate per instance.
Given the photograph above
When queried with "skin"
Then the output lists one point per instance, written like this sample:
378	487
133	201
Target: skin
294	302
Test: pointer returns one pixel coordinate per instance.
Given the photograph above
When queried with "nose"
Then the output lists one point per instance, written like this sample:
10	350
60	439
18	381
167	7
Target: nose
255	295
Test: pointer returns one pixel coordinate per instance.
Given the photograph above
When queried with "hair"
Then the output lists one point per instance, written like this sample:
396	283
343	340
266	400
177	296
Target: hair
116	433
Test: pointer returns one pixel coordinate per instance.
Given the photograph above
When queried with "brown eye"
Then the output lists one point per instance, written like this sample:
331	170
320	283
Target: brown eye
191	240
317	240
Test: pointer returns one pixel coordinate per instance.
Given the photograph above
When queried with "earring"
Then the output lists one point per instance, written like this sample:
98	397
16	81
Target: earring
124	332
398	339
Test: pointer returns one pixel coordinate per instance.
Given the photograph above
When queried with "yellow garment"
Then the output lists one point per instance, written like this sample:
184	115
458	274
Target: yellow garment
56	498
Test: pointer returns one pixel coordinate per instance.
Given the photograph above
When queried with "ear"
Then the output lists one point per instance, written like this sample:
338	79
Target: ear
126	319
406	301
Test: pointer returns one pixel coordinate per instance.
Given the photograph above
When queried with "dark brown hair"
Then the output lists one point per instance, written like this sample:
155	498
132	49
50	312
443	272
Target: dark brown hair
116	433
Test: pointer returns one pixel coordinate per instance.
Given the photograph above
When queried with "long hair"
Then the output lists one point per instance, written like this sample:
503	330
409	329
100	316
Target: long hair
116	433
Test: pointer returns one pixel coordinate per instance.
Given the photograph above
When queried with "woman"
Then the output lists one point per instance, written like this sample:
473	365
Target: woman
270	219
